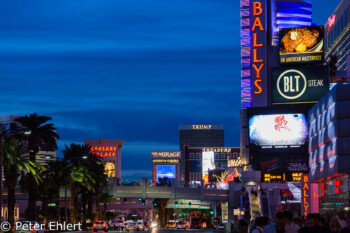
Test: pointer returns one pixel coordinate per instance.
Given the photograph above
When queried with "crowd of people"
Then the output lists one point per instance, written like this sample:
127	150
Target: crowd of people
285	223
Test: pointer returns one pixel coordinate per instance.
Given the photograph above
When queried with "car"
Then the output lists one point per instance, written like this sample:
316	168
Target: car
220	226
181	225
130	226
29	227
116	224
147	225
100	226
140	226
171	224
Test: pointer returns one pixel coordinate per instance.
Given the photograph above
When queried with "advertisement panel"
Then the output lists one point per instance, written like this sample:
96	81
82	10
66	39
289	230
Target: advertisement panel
208	163
299	84
110	168
165	171
278	129
305	195
301	45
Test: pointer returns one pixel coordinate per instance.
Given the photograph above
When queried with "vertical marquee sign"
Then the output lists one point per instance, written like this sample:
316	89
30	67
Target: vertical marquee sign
305	195
253	53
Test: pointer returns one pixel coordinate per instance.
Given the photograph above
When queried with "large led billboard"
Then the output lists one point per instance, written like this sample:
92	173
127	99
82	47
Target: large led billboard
165	171
301	45
299	84
208	163
278	129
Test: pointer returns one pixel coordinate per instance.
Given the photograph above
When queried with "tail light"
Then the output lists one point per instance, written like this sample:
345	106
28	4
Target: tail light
104	225
32	229
94	225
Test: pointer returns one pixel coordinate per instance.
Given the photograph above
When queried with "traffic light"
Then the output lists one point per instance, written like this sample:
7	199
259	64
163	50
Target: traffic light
140	199
176	204
180	215
211	212
185	214
189	205
143	202
155	204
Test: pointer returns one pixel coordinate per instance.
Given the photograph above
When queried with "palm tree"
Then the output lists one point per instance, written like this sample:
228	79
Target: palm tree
41	133
81	176
57	174
14	164
106	198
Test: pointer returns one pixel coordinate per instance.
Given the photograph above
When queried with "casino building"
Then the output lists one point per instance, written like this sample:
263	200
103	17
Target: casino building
337	35
210	135
165	164
329	152
202	163
109	150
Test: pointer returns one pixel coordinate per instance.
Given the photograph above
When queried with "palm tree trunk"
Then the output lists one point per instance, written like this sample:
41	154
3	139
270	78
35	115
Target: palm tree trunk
83	199
74	202
90	201
11	204
98	211
32	193
58	209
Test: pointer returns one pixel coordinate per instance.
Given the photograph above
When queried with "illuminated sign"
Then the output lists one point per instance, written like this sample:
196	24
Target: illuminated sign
226	150
166	154
299	84
110	169
207	164
104	151
301	45
165	160
165	171
337	183
296	176
235	162
331	21
273	177
305	195
201	126
293	167
278	130
269	165
258	61
323	187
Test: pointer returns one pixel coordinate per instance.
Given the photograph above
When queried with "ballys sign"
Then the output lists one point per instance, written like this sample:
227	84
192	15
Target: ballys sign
299	84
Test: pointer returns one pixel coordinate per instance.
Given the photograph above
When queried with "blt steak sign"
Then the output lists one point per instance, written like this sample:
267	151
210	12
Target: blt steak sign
299	84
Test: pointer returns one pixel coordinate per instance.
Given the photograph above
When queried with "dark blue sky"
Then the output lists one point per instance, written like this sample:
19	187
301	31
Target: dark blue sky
125	69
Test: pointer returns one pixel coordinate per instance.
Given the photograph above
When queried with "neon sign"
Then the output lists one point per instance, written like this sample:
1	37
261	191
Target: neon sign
166	154
331	22
259	53
104	151
201	126
305	195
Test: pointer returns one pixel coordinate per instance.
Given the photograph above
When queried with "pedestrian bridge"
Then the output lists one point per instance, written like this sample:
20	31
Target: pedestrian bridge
153	192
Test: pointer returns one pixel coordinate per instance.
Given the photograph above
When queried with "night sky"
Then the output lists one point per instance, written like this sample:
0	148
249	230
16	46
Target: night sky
125	69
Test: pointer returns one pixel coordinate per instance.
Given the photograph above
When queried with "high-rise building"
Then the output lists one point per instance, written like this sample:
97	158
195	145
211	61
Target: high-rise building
337	36
45	154
199	136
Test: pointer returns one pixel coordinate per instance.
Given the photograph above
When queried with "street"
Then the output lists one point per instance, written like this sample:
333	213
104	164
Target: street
163	231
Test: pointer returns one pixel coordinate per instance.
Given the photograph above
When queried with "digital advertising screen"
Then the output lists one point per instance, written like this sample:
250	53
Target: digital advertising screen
166	171
299	84
110	169
301	45
208	164
278	129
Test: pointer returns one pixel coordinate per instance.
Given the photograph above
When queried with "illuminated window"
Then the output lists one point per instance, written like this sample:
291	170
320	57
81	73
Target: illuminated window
216	155
229	156
222	155
198	155
191	155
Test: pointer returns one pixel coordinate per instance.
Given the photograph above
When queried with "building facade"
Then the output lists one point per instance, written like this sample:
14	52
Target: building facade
202	163
337	35
329	153
211	135
109	150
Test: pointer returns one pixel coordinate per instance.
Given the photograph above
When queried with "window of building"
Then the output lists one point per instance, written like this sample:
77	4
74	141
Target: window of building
198	155
235	155
342	22
222	155
216	155
346	17
191	155
229	156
